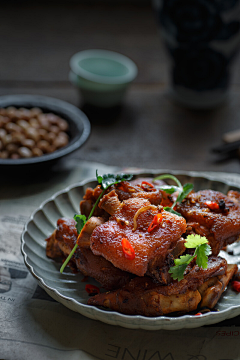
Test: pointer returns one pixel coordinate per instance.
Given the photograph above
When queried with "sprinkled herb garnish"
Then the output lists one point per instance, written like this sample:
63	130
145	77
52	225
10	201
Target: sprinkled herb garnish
110	179
183	191
105	181
202	251
80	222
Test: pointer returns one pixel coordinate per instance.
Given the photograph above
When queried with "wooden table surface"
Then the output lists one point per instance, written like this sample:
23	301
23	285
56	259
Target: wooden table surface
37	41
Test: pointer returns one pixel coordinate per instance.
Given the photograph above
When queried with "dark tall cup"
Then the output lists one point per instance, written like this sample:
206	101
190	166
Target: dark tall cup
202	38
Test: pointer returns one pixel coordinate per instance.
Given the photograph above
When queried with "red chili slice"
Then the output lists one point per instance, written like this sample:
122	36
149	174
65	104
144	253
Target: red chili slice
147	185
92	289
128	250
197	314
236	285
156	221
212	205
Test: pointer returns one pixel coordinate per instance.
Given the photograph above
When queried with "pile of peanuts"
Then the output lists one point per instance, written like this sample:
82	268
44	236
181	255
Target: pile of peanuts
26	133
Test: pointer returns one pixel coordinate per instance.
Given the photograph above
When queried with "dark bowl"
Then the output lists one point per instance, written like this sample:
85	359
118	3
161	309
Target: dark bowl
79	129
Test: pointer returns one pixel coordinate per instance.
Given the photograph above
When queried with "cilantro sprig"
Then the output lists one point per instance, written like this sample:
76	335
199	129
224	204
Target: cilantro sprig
110	179
105	181
183	191
80	222
202	251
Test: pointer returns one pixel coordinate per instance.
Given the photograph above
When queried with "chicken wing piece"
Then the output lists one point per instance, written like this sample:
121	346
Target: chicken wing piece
221	225
131	221
62	241
143	297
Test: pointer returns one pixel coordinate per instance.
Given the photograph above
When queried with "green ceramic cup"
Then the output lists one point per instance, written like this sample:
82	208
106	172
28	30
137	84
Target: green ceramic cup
102	76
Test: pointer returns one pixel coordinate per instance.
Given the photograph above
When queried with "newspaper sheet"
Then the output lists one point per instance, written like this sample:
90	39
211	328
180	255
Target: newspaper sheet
34	326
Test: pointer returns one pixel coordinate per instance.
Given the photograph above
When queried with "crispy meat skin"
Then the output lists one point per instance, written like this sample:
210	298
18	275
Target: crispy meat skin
106	239
65	238
219	227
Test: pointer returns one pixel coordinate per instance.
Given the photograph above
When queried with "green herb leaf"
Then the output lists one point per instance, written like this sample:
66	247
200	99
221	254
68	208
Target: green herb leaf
187	188
80	222
192	241
202	252
169	209
110	179
181	264
99	178
183	191
168	188
123	177
177	272
184	259
168	176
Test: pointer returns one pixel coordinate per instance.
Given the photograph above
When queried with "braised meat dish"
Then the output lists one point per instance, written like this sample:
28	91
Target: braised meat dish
106	239
221	226
131	241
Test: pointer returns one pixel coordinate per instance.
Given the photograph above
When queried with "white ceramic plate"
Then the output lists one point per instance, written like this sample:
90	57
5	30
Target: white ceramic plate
68	289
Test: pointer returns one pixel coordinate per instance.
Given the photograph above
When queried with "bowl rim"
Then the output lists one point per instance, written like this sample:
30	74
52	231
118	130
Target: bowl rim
92	53
54	105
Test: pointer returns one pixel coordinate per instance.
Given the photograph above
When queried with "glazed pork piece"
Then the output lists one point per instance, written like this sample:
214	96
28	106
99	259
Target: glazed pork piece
142	188
220	224
106	239
143	296
158	268
62	241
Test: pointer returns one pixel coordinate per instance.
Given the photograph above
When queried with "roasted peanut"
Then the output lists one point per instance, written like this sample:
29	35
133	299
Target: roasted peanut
37	152
30	132
24	152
